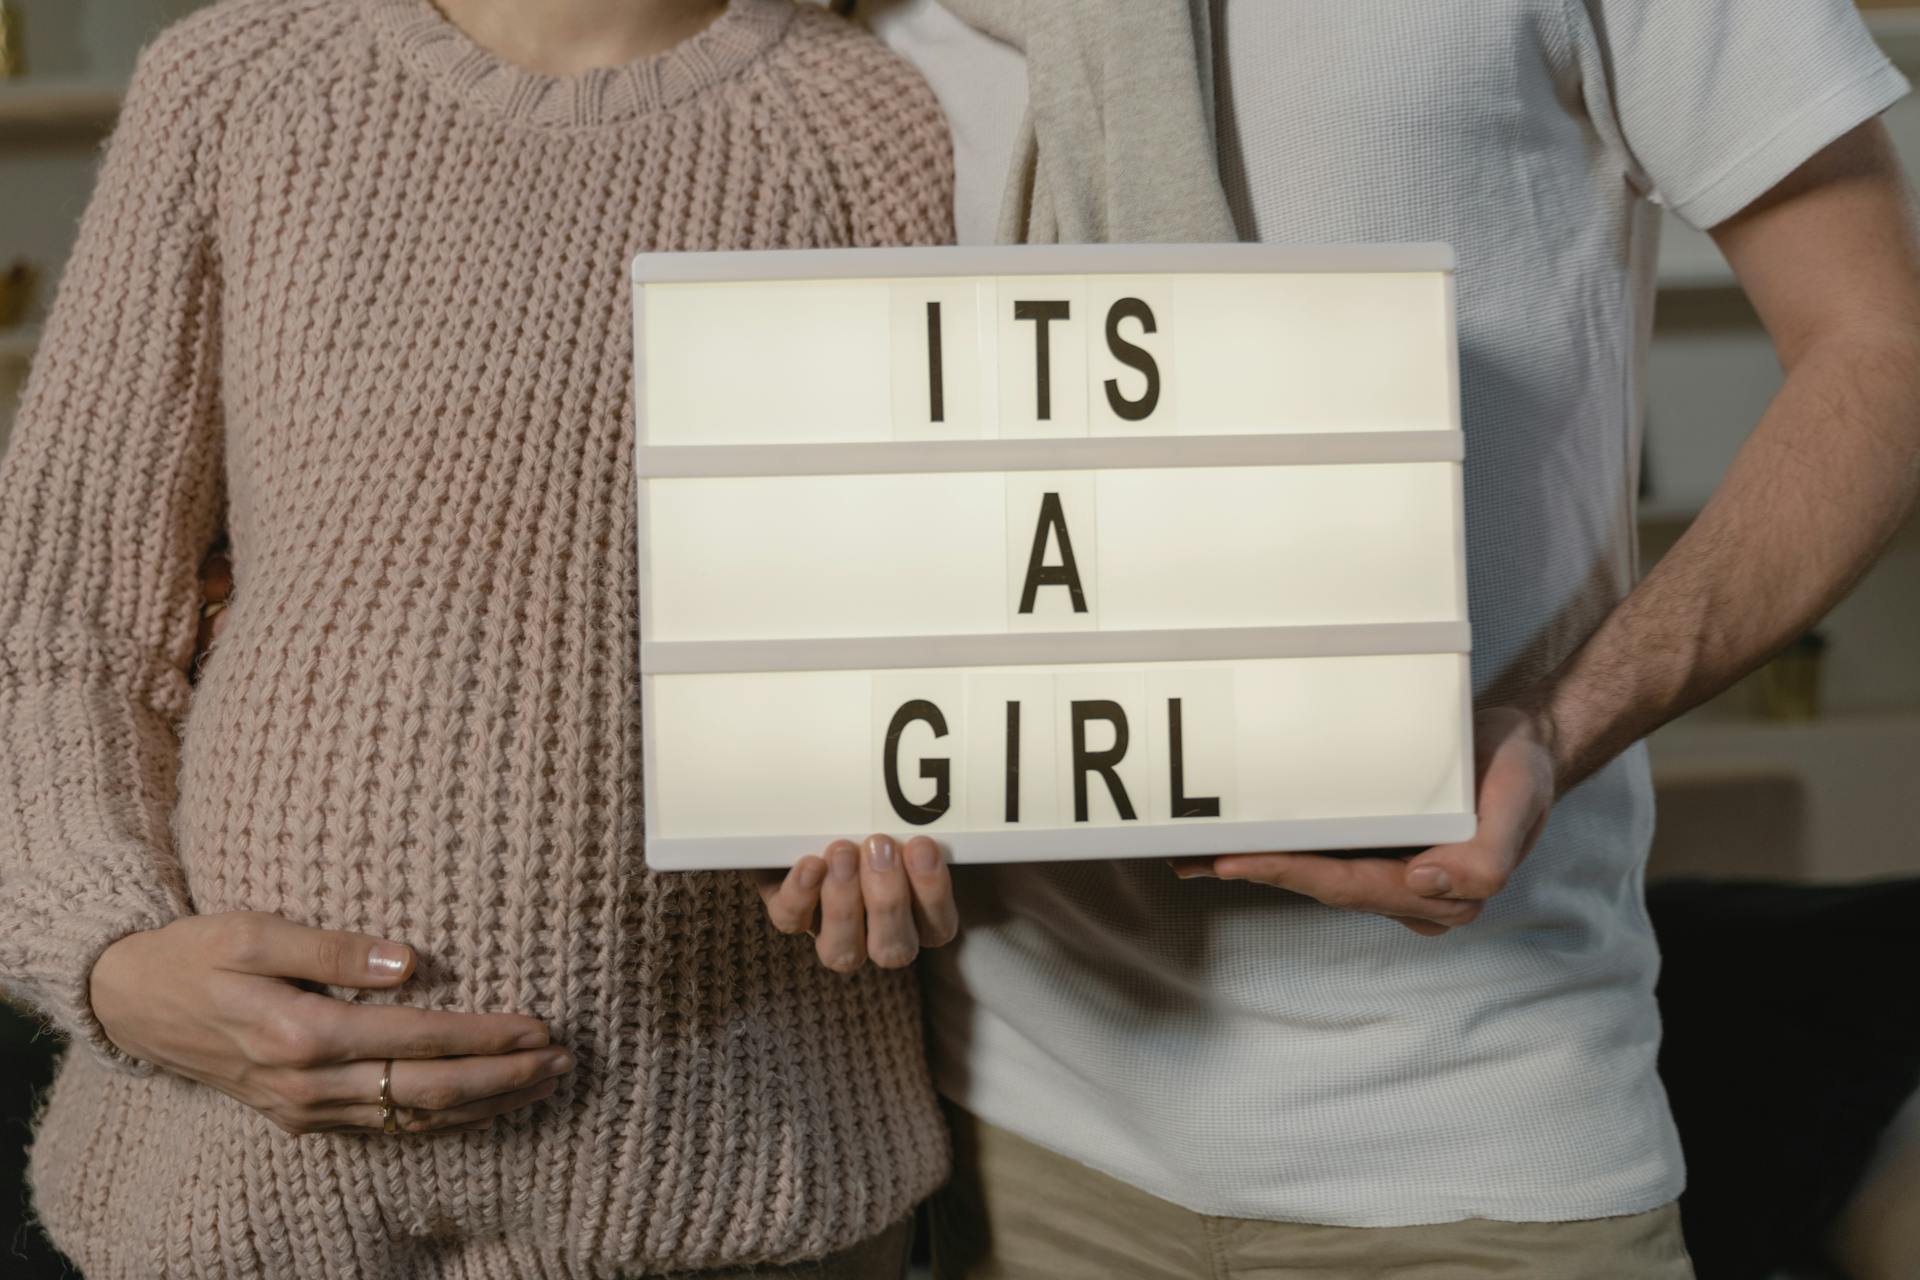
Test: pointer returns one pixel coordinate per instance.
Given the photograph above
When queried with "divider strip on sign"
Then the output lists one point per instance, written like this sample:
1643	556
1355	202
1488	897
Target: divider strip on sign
1045	844
1080	453
727	266
1050	648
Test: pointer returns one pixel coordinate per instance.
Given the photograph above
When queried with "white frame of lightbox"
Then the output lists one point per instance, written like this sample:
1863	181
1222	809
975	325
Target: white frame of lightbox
1063	454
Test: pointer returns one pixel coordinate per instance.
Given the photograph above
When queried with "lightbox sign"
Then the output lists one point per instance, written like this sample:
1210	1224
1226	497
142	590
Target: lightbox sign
1050	552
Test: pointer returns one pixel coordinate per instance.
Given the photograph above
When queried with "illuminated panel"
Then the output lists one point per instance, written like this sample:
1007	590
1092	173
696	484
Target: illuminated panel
1076	552
1287	747
946	554
847	361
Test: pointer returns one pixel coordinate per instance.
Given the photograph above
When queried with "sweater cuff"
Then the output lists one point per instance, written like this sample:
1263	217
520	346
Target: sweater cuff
62	958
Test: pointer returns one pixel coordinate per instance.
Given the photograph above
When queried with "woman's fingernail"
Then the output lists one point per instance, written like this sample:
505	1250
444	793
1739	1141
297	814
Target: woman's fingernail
1430	880
560	1063
812	872
923	856
534	1039
881	855
387	960
844	863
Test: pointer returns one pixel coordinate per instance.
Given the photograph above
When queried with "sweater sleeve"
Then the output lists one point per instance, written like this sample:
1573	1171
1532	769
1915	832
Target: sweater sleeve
885	135
902	170
109	495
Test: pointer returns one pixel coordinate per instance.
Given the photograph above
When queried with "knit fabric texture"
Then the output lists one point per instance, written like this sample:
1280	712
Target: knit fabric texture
356	289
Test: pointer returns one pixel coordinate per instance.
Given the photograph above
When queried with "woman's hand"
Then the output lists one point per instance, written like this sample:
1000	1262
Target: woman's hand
213	998
880	903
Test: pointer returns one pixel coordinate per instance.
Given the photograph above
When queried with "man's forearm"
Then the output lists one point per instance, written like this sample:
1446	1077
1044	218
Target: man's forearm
1826	479
1830	259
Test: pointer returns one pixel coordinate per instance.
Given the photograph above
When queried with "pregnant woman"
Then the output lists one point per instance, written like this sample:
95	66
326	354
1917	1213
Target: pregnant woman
364	971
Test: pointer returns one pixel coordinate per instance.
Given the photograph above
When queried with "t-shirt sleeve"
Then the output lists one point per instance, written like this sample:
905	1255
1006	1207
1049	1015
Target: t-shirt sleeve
1715	101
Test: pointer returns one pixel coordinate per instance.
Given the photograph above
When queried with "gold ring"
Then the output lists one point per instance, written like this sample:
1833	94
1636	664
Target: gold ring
388	1121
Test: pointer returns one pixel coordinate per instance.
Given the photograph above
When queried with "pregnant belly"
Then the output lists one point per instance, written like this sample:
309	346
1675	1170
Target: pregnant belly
408	800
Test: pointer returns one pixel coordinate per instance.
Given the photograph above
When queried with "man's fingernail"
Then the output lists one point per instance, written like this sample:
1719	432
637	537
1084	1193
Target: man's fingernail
844	863
923	856
387	960
881	855
559	1063
1432	880
534	1039
812	872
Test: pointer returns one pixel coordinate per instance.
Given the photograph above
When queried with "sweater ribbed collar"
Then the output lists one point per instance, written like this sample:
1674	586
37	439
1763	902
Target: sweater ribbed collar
441	52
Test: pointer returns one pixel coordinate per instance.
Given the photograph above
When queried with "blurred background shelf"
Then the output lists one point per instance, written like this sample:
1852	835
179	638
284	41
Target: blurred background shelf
1712	741
1667	514
18	345
1829	800
1897	27
58	105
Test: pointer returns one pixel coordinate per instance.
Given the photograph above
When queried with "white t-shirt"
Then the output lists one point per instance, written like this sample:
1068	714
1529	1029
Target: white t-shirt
1252	1054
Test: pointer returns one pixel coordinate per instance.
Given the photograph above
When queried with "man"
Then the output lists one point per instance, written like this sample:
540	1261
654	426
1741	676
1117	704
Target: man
1208	1078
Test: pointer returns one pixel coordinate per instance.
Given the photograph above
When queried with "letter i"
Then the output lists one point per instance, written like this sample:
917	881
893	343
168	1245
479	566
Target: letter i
936	366
1013	762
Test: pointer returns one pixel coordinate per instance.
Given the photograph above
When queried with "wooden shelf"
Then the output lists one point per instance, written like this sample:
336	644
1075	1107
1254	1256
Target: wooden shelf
1873	750
18	344
1653	511
1848	776
1700	734
58	106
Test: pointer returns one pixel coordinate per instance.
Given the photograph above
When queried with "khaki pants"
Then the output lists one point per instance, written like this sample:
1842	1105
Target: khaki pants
1016	1211
882	1258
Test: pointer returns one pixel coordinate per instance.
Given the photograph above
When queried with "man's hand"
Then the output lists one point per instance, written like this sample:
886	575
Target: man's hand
880	903
1448	885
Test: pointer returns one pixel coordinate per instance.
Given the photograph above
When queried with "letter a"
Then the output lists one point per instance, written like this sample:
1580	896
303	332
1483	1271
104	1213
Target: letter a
1041	574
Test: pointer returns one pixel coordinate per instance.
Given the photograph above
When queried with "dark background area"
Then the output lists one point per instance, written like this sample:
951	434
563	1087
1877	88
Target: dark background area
26	1068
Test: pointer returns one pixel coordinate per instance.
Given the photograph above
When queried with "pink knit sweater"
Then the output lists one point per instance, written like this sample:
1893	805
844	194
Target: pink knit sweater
356	289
